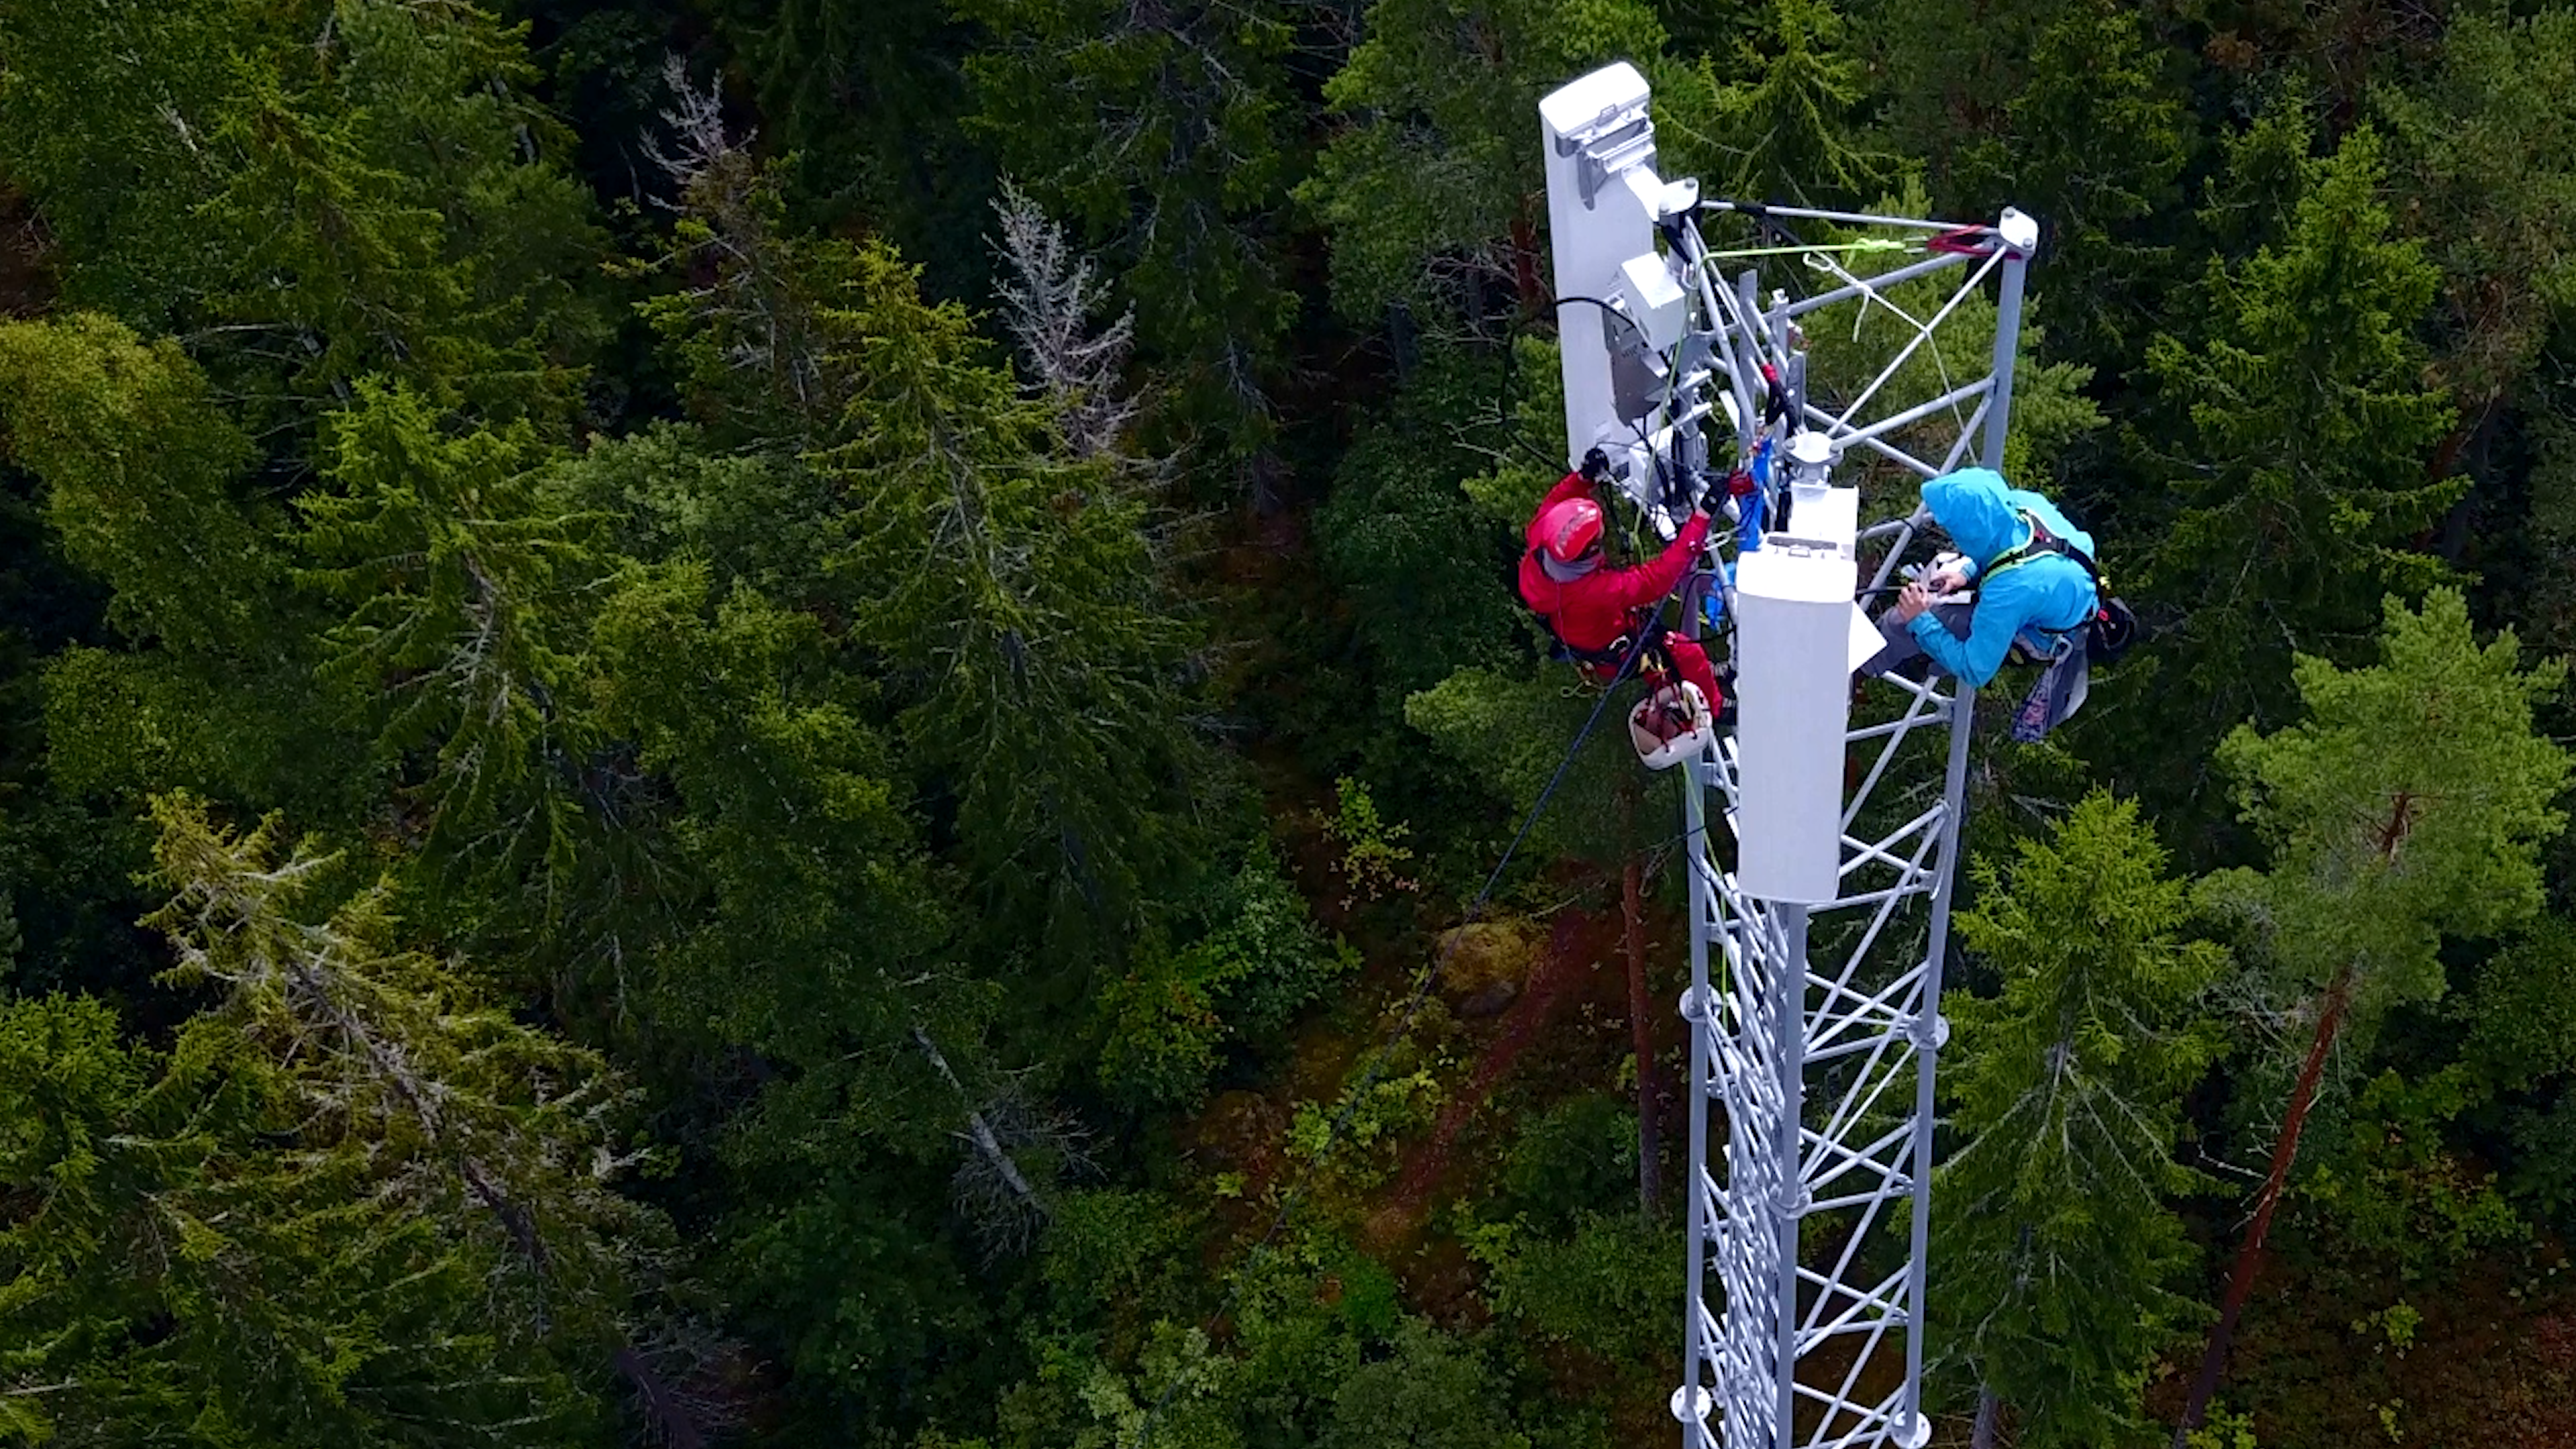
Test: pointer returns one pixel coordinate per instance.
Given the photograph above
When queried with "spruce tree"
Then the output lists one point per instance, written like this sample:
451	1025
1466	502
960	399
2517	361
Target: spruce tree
310	192
198	1259
2074	113
2056	1255
139	464
1167	136
1009	595
2486	148
1790	130
354	1201
459	640
2305	480
1430	188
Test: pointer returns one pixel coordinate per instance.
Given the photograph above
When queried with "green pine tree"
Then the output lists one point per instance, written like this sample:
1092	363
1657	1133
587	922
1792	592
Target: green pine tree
199	1259
310	193
2072	112
1009	595
2406	807
1167	136
144	482
354	1201
2486	174
1430	189
1789	130
139	465
865	103
459	641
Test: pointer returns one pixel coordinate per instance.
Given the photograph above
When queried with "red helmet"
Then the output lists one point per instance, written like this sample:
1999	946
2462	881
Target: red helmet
1570	530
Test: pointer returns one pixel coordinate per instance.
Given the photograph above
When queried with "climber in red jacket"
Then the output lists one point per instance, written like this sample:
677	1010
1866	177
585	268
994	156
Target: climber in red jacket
1595	611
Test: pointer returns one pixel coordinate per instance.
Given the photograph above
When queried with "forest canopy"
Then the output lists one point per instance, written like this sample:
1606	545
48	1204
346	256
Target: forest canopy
737	723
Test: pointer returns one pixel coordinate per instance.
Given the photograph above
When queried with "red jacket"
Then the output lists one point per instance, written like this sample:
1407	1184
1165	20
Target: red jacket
1590	613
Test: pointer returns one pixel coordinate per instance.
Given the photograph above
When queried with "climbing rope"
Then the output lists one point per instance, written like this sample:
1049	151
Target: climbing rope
1865	244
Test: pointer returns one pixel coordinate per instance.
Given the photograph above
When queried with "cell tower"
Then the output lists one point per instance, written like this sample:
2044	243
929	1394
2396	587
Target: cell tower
1816	957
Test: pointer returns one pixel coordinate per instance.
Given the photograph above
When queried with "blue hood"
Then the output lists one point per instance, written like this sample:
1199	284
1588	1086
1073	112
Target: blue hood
1974	505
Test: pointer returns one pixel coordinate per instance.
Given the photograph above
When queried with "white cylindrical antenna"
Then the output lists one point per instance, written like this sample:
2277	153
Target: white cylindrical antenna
1811	462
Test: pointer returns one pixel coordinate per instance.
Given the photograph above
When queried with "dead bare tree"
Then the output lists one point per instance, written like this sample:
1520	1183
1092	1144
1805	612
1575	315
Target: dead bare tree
991	1189
738	284
1050	296
699	142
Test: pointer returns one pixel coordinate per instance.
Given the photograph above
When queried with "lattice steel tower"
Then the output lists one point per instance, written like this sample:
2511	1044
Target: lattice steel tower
1816	956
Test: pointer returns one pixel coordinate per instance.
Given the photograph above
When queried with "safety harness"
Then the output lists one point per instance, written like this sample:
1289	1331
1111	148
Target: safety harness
2042	542
1605	663
2111	627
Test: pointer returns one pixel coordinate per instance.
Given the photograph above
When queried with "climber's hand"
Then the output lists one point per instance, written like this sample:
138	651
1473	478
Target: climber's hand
1913	601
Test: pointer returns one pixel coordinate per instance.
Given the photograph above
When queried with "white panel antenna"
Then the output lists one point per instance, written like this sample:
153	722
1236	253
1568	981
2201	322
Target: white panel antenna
1602	199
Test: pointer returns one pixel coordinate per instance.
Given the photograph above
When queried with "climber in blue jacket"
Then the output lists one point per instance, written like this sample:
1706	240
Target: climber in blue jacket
2032	569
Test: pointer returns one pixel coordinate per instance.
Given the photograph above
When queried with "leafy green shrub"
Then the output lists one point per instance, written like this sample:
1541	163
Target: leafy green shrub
1364	1149
2521	1043
1268	954
1306	1314
1431	1392
1260	961
1422	569
2522	1012
1180	1383
2543	1179
1163	1029
1373	848
1609	1288
2223	1430
1112	1246
2399	1191
1391	1107
1578	1156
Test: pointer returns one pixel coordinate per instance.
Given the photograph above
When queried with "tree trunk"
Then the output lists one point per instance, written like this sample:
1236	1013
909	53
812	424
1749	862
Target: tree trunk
1632	905
1533	296
2450	538
2452	533
2249	1257
1989	1403
980	1132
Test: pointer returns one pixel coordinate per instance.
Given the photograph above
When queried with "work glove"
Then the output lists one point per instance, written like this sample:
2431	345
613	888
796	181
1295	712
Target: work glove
1596	466
1775	397
1716	494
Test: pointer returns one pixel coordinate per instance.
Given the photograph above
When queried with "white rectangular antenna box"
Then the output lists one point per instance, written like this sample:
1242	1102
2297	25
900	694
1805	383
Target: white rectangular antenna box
1793	672
1595	131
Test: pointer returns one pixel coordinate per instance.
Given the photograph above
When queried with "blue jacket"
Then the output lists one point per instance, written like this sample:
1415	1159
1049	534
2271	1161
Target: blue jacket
2043	594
